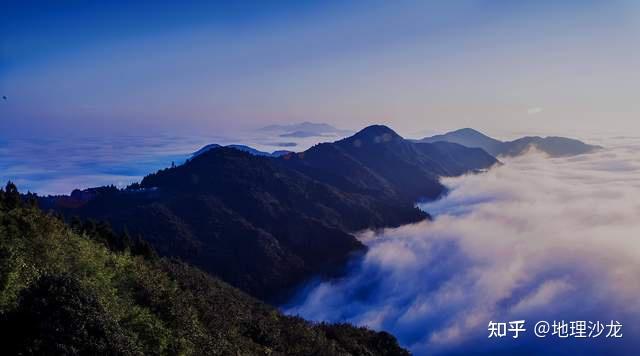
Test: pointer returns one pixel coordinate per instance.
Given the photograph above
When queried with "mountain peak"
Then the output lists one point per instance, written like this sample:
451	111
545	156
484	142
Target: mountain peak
377	134
468	137
554	146
467	131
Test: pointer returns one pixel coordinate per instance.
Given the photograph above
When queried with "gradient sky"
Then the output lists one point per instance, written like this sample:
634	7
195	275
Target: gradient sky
505	67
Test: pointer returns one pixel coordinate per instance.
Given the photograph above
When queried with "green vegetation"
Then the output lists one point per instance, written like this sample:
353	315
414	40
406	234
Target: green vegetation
83	290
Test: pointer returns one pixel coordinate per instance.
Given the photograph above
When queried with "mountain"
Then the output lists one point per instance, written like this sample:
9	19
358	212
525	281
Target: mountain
380	162
302	134
302	126
553	146
242	148
205	149
470	138
279	153
305	129
85	290
265	224
249	150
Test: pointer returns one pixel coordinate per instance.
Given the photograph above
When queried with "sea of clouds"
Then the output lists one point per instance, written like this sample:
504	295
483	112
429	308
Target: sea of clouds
57	165
536	239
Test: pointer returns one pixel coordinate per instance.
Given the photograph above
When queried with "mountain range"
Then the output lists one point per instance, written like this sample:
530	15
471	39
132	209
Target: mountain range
553	146
243	148
265	224
305	129
146	269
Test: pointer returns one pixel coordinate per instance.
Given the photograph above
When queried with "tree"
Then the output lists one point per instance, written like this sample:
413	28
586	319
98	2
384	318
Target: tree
57	316
141	247
11	196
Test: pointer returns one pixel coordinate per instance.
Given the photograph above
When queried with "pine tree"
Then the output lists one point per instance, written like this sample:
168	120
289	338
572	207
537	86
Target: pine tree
11	196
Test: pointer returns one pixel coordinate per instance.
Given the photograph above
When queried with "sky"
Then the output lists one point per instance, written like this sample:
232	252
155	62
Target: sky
535	239
97	68
104	92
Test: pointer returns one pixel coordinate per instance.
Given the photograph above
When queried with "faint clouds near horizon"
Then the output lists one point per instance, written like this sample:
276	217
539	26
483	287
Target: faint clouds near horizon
119	67
57	165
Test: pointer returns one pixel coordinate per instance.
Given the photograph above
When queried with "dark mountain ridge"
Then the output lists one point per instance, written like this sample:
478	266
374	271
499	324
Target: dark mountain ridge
377	160
264	224
243	148
553	146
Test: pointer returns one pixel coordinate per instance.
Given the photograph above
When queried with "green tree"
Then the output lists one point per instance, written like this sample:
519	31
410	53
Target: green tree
11	196
57	316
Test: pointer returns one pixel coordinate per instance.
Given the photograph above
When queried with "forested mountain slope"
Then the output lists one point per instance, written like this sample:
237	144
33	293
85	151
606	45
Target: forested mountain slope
266	224
84	290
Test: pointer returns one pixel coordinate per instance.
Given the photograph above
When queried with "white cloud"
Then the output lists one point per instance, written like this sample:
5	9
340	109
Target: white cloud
537	238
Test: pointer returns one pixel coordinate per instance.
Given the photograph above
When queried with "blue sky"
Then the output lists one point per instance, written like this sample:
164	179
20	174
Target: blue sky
99	68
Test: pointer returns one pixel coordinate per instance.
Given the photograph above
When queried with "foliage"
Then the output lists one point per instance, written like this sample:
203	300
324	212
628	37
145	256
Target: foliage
85	290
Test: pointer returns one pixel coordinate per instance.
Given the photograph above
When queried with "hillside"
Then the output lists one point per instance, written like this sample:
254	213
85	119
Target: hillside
266	224
84	290
553	146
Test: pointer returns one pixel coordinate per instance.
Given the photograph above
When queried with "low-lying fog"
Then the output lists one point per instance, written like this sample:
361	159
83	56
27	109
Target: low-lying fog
534	239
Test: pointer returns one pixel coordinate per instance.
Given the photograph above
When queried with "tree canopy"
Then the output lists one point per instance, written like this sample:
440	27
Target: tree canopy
85	290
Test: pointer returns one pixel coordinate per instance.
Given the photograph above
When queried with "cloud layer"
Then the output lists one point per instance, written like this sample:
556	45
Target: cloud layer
59	165
534	239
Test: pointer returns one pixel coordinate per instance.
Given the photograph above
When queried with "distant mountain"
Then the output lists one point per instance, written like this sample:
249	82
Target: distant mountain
242	148
302	134
302	126
470	138
553	146
265	224
283	144
280	153
305	129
